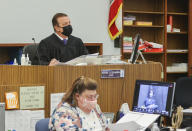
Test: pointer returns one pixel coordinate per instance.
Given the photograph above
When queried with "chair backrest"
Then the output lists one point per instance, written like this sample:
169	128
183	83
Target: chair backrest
31	50
183	92
42	125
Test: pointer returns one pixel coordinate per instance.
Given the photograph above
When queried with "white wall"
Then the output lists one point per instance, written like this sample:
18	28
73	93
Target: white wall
20	20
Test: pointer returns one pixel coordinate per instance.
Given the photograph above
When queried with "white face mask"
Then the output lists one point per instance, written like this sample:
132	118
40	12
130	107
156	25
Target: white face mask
89	104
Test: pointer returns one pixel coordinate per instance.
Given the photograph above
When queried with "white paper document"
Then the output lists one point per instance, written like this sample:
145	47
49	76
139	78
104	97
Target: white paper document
55	100
180	129
32	97
35	117
92	55
18	120
142	119
22	120
129	126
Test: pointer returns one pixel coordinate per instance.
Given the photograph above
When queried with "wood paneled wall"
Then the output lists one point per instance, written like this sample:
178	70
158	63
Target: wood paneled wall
112	92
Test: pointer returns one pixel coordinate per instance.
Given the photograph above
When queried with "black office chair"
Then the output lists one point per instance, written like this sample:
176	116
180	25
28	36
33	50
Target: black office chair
183	92
183	97
31	50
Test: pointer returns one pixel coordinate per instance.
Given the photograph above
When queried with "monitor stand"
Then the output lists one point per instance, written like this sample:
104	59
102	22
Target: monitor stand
139	53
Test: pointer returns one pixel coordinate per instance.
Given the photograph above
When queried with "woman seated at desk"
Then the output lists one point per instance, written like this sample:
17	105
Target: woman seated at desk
79	109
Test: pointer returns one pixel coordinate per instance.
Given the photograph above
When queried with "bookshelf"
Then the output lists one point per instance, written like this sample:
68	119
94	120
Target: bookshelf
179	11
177	46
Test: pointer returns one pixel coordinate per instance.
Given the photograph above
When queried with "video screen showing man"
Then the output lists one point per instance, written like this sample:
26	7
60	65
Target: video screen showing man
152	99
60	46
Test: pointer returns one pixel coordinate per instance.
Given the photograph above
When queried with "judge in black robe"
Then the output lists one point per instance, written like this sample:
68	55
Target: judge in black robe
53	47
61	46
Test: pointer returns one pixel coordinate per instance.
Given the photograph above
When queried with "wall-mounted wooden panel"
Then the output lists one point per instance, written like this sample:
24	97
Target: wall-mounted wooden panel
112	92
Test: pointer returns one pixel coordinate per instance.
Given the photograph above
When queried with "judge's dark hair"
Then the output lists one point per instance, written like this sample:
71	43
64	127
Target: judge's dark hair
56	16
79	86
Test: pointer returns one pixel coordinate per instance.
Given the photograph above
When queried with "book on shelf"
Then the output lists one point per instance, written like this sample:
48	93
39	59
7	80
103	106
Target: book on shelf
128	22
143	23
155	50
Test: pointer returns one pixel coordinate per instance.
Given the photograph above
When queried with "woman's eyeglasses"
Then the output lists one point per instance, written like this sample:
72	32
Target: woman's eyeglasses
92	97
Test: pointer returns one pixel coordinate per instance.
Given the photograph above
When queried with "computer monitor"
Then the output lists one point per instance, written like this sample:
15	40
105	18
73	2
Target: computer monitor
153	97
134	53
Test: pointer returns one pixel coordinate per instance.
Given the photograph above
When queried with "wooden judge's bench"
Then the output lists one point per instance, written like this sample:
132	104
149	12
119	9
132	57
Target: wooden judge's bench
112	91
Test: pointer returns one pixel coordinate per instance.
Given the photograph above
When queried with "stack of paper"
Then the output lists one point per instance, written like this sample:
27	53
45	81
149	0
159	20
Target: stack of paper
133	121
55	100
176	50
178	67
187	111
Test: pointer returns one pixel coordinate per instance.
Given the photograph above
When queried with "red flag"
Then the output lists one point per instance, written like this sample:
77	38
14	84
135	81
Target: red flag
115	19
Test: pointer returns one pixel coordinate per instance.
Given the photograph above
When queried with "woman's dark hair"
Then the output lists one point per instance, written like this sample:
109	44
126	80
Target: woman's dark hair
79	86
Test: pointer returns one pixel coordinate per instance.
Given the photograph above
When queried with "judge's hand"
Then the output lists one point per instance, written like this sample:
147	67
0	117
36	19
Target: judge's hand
53	62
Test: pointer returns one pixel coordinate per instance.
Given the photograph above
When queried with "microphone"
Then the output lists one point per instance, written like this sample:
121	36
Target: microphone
37	52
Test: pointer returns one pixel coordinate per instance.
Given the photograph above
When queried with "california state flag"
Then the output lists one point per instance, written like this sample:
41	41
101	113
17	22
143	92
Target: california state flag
115	19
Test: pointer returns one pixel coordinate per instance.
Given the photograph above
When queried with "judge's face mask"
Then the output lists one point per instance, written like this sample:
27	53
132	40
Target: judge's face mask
67	30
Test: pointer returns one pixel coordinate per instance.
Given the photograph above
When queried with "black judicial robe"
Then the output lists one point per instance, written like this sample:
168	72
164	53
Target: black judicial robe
52	47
